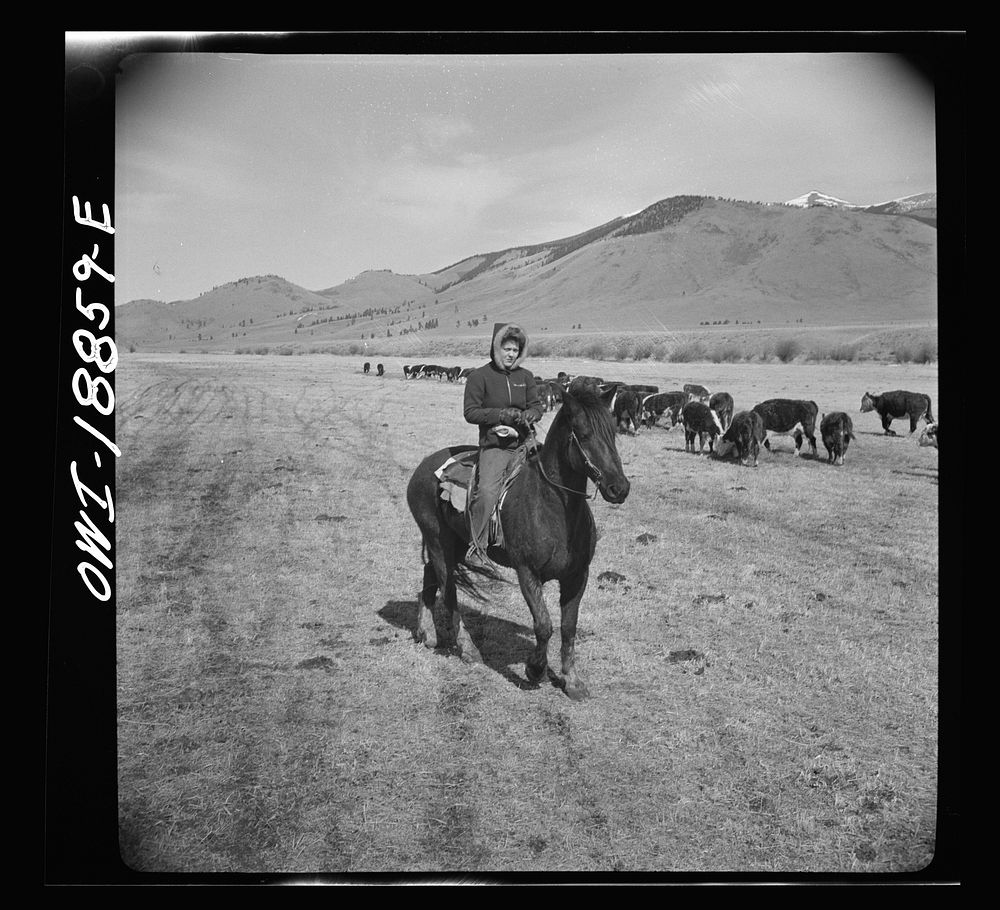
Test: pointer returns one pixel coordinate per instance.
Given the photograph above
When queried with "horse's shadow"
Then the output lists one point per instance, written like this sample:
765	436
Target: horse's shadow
502	644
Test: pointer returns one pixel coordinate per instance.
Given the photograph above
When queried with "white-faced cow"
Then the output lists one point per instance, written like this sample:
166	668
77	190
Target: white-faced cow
723	405
837	431
898	404
697	392
701	421
789	416
929	435
413	372
669	403
743	437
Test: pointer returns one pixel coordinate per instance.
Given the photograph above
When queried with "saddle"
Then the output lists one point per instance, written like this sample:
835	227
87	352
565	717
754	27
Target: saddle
456	476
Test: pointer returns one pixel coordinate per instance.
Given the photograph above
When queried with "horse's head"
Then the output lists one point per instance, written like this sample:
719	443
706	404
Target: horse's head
590	443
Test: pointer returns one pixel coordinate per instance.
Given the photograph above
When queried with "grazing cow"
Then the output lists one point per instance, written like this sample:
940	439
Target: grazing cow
433	369
415	371
380	369
701	421
367	367
644	389
697	392
550	393
837	432
452	374
655	406
744	434
898	404
626	408
788	415
722	404
464	374
929	435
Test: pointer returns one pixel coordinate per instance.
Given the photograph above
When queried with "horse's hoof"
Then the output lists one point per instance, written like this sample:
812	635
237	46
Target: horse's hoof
577	691
535	674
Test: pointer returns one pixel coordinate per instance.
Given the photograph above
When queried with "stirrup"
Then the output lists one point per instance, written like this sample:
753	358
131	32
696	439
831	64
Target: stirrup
475	556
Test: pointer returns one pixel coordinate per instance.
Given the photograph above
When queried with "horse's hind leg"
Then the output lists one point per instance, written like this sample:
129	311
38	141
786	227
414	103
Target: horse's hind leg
451	631
570	593
426	599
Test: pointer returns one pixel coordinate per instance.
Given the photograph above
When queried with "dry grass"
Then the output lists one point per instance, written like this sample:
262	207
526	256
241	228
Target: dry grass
765	677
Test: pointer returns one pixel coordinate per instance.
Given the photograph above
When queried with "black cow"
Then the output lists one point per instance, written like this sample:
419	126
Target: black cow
837	431
550	393
697	392
367	367
453	373
380	369
789	415
701	421
929	435
898	404
655	406
433	369
643	389
415	371
627	408
744	434
723	405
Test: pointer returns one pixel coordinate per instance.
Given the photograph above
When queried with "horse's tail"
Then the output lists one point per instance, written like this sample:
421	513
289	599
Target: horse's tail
465	576
469	579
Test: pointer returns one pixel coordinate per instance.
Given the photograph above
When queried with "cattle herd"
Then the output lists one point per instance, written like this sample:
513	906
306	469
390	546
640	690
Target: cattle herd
711	418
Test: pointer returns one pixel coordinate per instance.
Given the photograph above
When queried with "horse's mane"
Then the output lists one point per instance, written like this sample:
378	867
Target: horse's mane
591	405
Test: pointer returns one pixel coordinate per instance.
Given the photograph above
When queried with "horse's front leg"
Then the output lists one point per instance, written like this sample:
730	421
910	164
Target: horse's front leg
570	594
531	588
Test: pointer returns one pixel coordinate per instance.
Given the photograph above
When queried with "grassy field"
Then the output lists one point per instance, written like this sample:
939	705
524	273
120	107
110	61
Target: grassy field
763	666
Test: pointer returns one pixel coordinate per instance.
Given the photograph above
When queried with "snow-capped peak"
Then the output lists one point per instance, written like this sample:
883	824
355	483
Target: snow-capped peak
815	198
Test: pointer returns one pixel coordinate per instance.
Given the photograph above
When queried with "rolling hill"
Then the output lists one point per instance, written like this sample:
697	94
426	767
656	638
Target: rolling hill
682	262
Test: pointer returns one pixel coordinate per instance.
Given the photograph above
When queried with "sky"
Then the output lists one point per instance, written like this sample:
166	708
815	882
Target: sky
317	167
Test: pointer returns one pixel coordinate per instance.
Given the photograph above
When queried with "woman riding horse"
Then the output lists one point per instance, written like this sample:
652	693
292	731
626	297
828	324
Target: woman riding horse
501	398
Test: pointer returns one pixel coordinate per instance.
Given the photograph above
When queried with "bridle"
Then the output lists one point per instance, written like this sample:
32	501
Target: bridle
593	472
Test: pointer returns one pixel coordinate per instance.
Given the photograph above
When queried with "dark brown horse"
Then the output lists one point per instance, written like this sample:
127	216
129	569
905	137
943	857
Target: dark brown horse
548	530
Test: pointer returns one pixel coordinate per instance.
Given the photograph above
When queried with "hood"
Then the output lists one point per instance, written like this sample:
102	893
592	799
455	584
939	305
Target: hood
502	330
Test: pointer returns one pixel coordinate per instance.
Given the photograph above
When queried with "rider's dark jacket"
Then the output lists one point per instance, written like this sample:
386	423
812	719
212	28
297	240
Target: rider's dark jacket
490	388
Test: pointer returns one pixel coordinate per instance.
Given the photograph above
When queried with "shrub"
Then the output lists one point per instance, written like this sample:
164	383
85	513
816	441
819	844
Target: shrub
643	349
595	350
787	349
659	351
685	353
847	352
622	349
729	353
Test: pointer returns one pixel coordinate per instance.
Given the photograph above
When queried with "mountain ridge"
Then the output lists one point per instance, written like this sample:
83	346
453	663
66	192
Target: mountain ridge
680	261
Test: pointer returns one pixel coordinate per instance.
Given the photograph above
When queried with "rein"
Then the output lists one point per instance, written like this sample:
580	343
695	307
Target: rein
593	471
